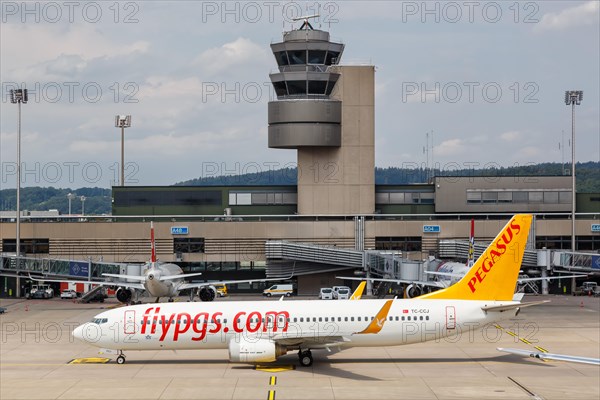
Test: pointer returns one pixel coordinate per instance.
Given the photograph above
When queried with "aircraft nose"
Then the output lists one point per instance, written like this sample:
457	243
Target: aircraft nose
78	332
88	332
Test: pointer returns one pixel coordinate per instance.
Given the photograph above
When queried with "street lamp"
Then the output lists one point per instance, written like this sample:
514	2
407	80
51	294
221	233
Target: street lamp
573	98
18	96
70	196
123	121
82	198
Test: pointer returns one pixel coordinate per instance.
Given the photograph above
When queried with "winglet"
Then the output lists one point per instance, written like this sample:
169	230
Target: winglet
377	323
359	291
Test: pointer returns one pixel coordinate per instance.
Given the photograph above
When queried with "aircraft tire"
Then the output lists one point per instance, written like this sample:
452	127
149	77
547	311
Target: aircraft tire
121	360
306	358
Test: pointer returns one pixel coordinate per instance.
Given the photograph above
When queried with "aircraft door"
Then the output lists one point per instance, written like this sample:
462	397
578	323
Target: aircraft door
129	321
450	317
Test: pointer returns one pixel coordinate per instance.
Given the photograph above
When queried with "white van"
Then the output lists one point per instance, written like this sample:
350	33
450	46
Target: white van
343	293
279	290
326	293
336	290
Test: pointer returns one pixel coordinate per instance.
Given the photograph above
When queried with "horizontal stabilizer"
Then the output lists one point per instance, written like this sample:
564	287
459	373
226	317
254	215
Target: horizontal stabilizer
512	306
551	356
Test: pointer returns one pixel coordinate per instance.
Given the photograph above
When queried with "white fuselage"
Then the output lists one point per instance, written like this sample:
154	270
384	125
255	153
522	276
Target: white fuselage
213	325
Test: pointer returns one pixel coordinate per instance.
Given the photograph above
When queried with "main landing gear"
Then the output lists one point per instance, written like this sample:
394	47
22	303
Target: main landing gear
121	358
306	358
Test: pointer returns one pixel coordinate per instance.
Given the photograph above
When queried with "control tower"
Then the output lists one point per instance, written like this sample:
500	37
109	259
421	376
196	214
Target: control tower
326	112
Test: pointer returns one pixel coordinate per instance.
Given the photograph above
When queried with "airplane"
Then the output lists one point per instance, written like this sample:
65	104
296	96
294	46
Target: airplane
262	331
448	273
159	280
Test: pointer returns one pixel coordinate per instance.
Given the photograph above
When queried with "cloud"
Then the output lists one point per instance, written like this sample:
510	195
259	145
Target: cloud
511	136
242	52
583	14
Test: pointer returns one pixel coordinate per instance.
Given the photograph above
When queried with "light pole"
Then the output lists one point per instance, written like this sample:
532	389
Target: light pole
18	96
123	121
70	196
82	198
573	98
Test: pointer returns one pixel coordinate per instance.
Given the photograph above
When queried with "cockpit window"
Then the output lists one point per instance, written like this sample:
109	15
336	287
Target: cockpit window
99	321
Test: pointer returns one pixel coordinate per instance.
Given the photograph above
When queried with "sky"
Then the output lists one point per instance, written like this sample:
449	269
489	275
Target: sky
477	83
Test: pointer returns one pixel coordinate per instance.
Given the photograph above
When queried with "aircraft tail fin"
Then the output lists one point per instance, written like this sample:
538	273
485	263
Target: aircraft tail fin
494	275
359	291
152	245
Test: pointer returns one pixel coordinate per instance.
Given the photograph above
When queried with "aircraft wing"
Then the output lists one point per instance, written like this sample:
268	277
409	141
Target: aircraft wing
448	274
512	306
192	285
169	277
128	285
551	356
424	283
140	278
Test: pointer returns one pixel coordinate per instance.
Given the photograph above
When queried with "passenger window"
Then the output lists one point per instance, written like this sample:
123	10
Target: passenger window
346	319
352	319
427	318
326	319
403	318
320	319
421	318
301	319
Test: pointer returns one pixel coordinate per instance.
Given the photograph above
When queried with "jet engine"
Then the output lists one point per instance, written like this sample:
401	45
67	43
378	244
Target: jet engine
124	295
207	293
260	351
413	290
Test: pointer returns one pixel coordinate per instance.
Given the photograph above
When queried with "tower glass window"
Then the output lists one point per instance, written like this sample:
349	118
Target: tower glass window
316	57
297	57
282	58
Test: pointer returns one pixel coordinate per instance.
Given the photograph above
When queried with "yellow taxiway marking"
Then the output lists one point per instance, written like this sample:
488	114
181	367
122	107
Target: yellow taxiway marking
539	348
91	360
274	368
271	395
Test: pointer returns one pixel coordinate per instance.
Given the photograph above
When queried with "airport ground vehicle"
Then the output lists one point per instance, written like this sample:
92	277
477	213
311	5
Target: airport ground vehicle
336	290
40	292
221	290
279	289
69	294
326	293
2	310
586	289
343	293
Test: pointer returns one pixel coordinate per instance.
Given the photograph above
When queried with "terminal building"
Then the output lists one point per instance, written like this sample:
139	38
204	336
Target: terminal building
325	224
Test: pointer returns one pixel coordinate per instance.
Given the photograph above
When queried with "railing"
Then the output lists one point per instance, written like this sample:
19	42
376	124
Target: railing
293	217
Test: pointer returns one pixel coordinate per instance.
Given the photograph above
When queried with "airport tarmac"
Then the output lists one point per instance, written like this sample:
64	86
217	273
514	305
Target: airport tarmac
36	351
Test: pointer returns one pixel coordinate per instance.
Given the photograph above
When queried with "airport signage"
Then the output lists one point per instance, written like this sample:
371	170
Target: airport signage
179	230
79	268
595	227
596	262
431	229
